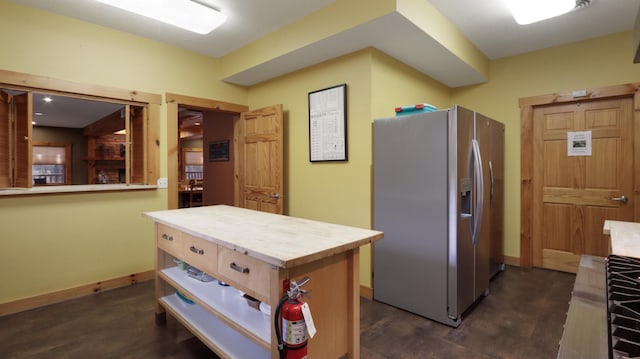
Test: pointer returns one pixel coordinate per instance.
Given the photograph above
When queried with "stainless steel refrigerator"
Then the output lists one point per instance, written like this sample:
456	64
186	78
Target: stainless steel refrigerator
435	181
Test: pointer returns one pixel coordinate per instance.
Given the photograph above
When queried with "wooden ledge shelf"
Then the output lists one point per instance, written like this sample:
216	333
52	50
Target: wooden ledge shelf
41	190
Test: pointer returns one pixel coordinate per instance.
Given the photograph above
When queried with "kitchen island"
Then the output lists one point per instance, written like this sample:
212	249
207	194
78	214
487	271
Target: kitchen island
255	252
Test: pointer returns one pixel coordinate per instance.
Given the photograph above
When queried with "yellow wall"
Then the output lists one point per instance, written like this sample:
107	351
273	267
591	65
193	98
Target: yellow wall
340	192
439	28
594	63
50	243
395	84
336	192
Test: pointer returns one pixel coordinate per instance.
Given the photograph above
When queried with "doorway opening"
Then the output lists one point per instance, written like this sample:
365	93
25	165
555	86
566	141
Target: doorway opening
214	184
242	153
205	161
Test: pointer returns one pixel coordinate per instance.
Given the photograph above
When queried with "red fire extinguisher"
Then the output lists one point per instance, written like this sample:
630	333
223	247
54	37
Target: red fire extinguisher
292	336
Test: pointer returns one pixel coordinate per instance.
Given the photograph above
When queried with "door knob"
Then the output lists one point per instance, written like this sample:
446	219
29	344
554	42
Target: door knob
275	195
622	199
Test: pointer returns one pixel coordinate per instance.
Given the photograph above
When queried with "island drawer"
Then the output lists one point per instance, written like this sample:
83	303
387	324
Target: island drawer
197	252
169	239
200	253
249	274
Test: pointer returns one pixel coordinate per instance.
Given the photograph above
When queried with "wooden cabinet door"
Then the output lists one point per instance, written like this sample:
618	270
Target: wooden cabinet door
23	110
137	145
5	147
259	164
573	195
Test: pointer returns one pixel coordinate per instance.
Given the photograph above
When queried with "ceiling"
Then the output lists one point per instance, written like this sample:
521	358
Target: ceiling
489	25
486	23
247	20
69	112
75	112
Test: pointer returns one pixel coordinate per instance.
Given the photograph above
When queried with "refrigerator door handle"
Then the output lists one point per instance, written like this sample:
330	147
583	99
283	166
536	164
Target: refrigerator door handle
491	179
479	184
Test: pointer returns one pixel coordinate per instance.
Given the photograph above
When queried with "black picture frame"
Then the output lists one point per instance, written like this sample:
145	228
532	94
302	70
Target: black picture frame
219	151
328	124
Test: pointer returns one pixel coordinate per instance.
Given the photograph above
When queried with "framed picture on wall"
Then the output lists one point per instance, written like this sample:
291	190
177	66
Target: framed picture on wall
219	151
328	124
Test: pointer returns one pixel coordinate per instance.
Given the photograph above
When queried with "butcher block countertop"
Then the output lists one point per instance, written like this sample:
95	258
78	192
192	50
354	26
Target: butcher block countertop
280	240
585	329
625	237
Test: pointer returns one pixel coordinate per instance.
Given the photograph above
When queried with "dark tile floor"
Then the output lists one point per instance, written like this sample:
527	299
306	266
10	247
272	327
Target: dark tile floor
521	318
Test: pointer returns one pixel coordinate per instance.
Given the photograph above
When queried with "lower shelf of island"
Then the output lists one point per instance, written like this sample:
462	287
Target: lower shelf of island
221	317
212	331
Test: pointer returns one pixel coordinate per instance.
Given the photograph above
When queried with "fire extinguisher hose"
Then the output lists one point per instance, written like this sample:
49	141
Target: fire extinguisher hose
276	323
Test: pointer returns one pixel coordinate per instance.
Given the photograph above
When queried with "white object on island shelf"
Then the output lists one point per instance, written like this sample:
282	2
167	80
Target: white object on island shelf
226	300
625	237
223	336
265	308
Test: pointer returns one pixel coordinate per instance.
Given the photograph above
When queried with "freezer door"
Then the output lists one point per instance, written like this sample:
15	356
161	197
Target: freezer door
410	184
462	249
496	199
483	245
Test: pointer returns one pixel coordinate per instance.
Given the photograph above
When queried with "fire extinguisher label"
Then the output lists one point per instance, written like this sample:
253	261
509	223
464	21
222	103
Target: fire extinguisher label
294	332
306	313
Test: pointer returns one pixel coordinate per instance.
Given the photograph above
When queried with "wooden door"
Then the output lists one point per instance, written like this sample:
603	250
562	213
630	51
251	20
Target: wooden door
573	195
23	115
259	164
5	143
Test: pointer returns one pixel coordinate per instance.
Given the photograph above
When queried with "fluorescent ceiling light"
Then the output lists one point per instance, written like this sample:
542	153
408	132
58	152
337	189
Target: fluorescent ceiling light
530	11
185	14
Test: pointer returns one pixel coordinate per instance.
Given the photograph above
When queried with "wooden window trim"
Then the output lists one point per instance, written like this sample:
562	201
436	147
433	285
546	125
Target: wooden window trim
527	105
21	81
152	103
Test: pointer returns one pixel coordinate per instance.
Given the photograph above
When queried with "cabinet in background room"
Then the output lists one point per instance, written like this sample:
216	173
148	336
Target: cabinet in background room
106	159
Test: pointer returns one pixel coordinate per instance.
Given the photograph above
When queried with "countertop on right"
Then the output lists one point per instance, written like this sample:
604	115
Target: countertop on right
625	237
585	330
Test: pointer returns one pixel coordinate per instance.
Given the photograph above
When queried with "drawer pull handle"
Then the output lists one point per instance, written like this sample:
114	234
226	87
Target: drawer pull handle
196	250
167	237
236	267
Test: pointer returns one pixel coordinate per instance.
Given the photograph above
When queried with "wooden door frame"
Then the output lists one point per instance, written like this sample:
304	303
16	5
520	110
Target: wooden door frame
173	147
527	105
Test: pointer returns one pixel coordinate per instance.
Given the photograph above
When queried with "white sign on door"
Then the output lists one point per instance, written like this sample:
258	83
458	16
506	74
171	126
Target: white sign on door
579	143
